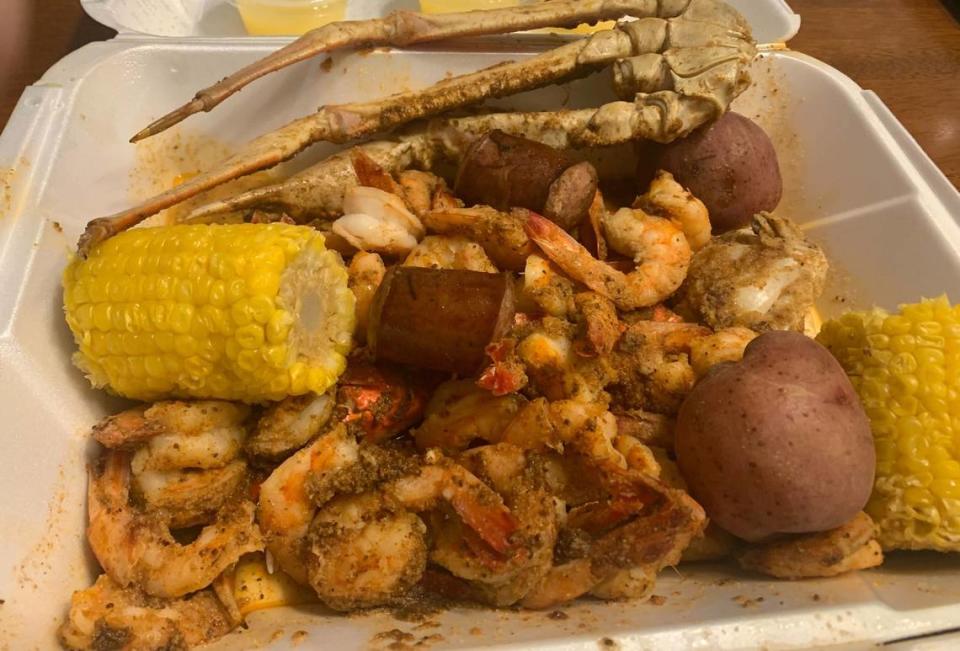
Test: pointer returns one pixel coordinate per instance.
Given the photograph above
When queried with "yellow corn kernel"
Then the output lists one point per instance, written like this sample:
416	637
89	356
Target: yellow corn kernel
912	398
210	311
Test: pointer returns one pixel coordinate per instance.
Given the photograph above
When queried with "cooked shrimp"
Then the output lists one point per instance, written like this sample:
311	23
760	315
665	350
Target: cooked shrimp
649	428
643	529
369	549
500	234
599	328
478	506
424	192
653	365
109	616
378	221
286	510
363	551
546	287
667	198
174	451
366	272
553	366
449	252
169	417
290	424
659	249
849	547
518	476
725	345
460	412
136	549
184	498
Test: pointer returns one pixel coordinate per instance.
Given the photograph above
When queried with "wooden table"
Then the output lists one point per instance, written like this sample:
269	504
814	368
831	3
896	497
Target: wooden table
908	51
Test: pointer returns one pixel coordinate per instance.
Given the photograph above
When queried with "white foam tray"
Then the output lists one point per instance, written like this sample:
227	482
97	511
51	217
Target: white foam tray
852	176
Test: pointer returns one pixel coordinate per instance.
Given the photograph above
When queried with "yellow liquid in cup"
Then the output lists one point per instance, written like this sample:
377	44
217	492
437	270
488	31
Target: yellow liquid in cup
288	17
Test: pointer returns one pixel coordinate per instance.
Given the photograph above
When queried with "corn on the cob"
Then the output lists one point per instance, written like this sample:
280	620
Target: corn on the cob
906	369
248	312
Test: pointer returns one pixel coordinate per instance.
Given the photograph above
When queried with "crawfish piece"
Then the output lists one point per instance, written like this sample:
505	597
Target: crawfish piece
505	171
440	319
379	402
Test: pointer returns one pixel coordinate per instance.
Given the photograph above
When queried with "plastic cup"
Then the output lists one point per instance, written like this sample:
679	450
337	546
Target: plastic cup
288	17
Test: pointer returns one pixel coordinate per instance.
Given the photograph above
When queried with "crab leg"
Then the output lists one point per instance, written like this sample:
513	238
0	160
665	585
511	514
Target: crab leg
403	28
662	115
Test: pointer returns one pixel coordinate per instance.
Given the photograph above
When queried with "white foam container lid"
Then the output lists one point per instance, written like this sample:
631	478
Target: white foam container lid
853	177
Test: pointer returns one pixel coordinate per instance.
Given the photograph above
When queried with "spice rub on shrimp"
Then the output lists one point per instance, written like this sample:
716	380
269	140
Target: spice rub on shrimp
137	548
324	510
109	616
187	460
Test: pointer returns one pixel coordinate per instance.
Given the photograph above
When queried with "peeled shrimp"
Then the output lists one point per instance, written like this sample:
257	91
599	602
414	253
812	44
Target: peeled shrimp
724	345
170	417
187	464
449	252
109	616
378	221
518	476
136	549
286	510
364	551
290	424
667	198
547	288
659	249
366	272
849	547
460	412
185	498
500	234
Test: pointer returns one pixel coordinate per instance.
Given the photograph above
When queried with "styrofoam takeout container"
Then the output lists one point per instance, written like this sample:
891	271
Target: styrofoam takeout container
853	177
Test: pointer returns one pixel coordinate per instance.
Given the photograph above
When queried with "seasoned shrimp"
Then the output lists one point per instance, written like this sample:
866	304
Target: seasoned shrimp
599	329
169	417
500	234
449	252
519	477
547	288
621	543
137	549
667	198
460	412
186	465
659	249
184	498
109	616
725	345
364	551
286	510
290	424
849	547
366	272
369	549
553	366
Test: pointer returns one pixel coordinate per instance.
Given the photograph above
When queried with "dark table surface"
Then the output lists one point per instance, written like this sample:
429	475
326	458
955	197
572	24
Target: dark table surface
908	51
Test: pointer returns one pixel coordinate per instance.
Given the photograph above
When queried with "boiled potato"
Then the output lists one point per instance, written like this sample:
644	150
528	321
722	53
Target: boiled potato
730	165
776	443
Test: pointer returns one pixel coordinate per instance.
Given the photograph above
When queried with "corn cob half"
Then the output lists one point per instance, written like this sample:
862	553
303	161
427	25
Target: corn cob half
906	370
248	312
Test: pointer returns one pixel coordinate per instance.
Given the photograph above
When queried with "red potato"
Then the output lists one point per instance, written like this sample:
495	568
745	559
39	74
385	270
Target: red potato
730	165
777	443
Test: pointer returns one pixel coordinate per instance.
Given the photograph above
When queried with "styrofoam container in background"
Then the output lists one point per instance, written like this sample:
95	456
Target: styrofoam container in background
772	20
853	177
